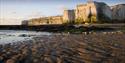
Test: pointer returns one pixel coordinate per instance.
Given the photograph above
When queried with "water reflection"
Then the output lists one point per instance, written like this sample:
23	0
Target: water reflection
9	36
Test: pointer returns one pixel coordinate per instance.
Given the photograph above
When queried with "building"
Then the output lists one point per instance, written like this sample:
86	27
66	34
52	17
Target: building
68	16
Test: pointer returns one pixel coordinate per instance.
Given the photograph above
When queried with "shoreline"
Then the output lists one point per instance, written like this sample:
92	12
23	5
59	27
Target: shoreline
66	28
18	36
63	48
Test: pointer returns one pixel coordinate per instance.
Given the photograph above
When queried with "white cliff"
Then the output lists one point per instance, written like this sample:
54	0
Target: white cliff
104	12
118	12
98	11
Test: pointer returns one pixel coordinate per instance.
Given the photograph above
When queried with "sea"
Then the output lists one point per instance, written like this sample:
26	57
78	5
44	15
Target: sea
10	36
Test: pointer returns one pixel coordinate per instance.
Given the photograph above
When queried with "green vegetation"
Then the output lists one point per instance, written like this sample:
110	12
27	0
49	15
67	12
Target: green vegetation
78	30
79	21
123	29
68	22
91	19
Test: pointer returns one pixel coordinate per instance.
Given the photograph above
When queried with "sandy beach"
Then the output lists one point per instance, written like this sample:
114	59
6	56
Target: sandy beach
105	47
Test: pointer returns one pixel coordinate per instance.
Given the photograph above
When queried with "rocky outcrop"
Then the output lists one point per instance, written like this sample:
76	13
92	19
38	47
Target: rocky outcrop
91	12
118	12
104	11
96	11
46	20
84	11
68	15
66	48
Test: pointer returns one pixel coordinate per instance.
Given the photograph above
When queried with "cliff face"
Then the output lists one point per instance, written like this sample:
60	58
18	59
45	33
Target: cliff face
103	11
96	11
83	11
68	15
118	12
46	20
91	12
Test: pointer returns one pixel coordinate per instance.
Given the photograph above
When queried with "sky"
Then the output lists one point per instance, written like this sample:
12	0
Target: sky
12	12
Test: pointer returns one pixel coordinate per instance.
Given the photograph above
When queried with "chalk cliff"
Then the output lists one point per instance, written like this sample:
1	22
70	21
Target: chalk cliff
118	12
91	12
103	11
96	11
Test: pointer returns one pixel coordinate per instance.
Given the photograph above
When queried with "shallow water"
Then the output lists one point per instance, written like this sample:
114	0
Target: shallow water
9	36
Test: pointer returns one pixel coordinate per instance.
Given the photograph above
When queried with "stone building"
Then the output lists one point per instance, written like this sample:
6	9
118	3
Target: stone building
118	12
68	16
94	11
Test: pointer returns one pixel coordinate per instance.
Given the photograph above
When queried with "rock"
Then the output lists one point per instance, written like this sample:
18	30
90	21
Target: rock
97	11
24	35
118	12
73	49
10	61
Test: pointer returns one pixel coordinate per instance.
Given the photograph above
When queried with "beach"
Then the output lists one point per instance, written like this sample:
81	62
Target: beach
94	47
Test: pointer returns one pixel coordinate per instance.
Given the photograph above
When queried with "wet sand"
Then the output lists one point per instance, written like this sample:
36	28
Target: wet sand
67	48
